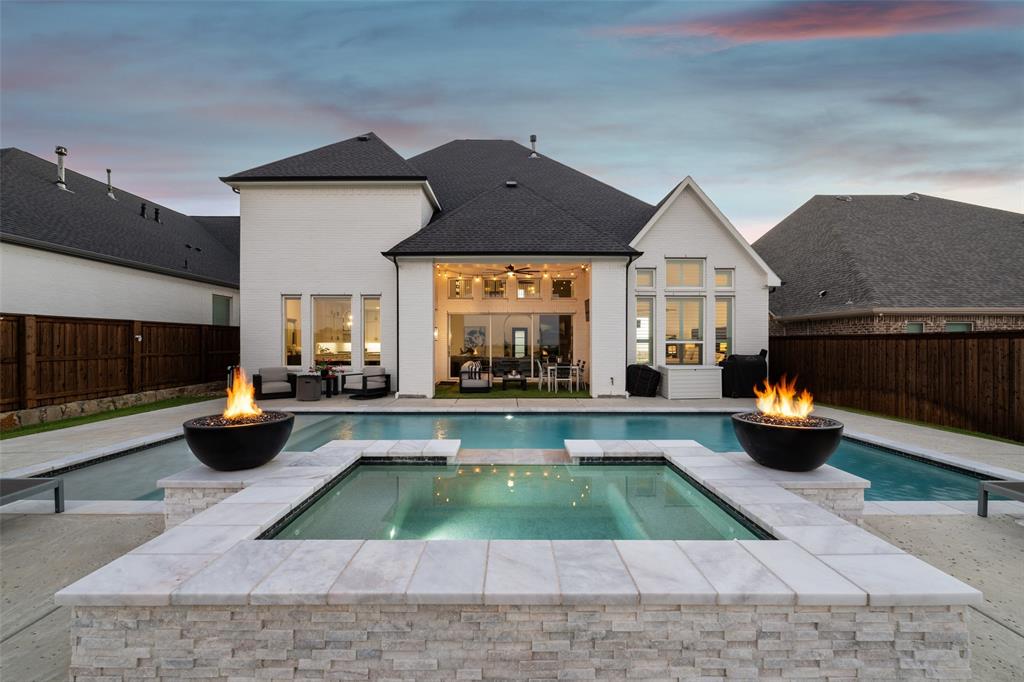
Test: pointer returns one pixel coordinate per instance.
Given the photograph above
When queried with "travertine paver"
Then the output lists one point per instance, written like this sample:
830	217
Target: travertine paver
813	582
449	571
521	572
307	574
663	574
230	578
735	574
378	573
591	571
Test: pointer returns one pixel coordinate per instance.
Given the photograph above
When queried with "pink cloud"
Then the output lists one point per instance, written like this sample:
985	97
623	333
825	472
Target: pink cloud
835	20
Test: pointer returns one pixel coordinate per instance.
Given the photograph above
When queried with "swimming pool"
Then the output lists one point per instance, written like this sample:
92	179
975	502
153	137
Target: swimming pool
408	502
893	477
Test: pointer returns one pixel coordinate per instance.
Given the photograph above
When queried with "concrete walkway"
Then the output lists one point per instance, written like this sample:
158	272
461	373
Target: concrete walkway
115	434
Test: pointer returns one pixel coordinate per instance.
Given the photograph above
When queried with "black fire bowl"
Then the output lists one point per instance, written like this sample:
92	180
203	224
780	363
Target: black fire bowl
245	445
786	447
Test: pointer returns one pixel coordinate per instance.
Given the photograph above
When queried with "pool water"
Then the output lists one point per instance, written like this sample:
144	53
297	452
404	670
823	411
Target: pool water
892	477
406	502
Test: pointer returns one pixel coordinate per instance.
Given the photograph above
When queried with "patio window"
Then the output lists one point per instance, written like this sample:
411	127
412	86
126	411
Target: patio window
291	325
684	330
645	278
723	328
724	278
371	330
645	330
959	326
562	288
332	330
221	310
494	287
460	288
684	273
914	328
527	288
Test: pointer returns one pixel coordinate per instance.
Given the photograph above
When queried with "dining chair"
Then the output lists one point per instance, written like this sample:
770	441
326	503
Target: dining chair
563	373
542	375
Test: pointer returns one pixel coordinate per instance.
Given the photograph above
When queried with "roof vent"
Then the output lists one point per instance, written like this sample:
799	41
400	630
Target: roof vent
110	187
142	209
61	153
511	183
912	197
156	214
363	138
533	147
844	197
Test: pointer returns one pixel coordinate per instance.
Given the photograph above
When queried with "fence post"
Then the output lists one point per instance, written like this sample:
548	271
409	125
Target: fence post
28	361
136	346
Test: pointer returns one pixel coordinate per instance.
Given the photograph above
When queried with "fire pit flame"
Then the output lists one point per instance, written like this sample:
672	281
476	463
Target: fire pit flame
781	400
241	398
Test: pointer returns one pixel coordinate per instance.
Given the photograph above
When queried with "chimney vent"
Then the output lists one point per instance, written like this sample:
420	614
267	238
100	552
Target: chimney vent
844	197
912	197
533	147
156	214
110	187
142	209
61	153
511	183
363	138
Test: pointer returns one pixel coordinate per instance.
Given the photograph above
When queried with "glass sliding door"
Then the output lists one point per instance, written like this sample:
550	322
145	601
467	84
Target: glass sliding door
503	343
371	330
554	334
332	330
468	341
510	348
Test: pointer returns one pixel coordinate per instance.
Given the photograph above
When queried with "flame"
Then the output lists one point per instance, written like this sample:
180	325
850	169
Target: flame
240	398
778	400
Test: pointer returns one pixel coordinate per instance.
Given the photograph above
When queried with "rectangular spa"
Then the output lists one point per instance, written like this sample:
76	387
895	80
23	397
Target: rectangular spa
505	502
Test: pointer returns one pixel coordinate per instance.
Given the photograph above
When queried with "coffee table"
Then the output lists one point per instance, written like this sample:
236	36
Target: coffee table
520	380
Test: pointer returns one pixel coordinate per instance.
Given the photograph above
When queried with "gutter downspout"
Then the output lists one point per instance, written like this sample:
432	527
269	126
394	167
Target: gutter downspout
632	258
398	333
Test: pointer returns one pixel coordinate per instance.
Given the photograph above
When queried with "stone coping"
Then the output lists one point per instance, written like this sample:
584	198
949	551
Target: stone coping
119	448
820	559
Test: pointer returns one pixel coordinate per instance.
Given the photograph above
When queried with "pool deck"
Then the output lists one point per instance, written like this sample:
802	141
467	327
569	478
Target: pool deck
37	453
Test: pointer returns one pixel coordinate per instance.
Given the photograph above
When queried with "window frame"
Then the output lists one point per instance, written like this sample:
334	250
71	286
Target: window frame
380	330
536	283
572	289
906	327
731	286
314	326
213	311
296	330
468	294
503	281
654	278
730	337
698	341
702	282
969	323
651	331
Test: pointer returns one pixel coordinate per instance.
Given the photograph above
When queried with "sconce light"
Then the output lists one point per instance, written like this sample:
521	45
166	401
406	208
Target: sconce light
435	333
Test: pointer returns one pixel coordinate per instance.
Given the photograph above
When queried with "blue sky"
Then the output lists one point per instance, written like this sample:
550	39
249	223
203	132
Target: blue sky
763	103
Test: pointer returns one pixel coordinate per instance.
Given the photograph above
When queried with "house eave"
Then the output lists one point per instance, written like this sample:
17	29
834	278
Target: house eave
862	312
111	260
511	253
272	180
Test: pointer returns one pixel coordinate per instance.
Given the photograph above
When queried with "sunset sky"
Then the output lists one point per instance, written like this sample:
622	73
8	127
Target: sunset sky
764	104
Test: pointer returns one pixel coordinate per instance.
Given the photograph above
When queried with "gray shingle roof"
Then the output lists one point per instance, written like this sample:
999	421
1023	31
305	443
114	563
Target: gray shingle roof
86	222
364	157
461	170
508	220
887	251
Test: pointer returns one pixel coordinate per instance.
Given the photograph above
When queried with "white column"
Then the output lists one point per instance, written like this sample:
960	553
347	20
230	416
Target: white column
415	328
608	327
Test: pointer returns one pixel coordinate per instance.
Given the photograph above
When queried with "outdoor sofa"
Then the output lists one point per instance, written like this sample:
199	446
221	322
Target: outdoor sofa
376	383
474	379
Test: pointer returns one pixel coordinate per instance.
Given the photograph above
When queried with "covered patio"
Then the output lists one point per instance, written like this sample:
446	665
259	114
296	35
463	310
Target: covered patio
508	319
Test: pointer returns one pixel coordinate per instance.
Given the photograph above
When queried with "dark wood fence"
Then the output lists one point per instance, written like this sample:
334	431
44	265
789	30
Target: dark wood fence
971	381
51	360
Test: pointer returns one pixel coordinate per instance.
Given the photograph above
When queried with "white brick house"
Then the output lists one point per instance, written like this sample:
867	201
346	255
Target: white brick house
485	250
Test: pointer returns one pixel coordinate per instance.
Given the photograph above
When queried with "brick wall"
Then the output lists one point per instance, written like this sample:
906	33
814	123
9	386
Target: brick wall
889	324
463	642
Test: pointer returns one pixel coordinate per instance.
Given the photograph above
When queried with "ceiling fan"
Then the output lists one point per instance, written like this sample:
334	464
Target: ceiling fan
513	270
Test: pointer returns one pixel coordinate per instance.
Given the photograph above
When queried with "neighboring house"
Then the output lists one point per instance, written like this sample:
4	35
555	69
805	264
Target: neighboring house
485	250
78	247
888	263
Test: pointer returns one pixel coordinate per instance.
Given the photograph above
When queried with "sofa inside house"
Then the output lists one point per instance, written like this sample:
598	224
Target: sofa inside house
274	382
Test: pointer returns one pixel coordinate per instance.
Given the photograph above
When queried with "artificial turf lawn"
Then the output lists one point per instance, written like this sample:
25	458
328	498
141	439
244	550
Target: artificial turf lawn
451	392
101	416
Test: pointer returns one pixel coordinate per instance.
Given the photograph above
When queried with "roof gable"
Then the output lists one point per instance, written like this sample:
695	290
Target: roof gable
891	252
363	157
688	183
86	222
508	220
